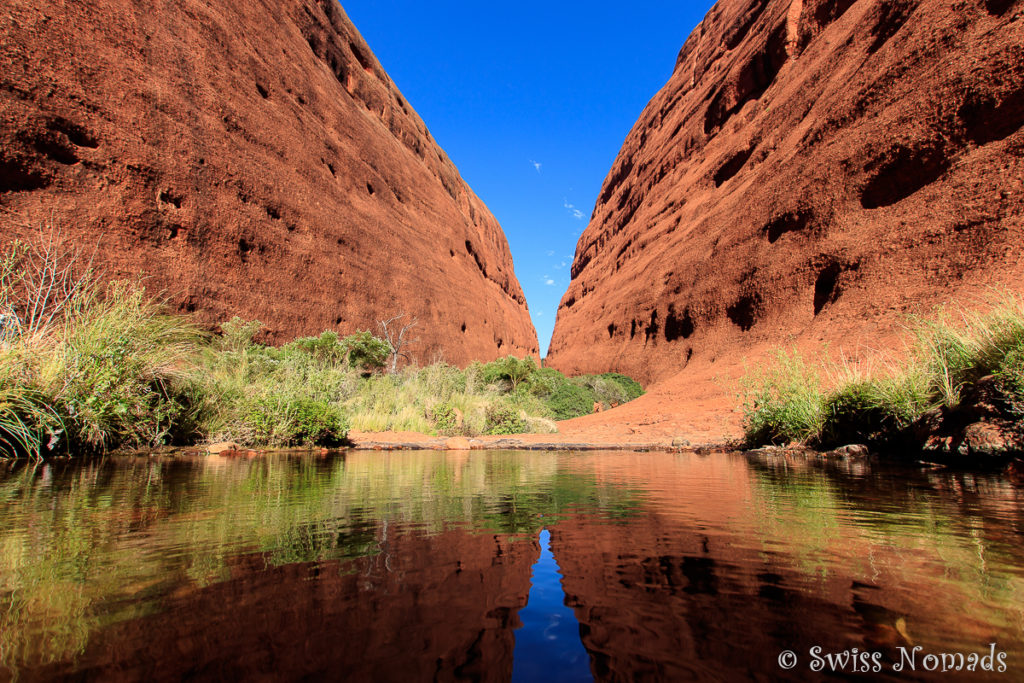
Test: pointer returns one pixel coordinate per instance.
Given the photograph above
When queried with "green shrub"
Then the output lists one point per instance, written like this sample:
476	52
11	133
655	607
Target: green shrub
365	351
504	419
326	348
445	419
630	386
544	382
276	421
571	400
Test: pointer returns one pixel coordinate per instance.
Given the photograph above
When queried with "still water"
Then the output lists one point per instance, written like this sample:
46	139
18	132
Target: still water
497	566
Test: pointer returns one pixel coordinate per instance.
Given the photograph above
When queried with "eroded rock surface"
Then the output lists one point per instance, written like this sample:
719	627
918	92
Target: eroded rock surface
249	158
811	172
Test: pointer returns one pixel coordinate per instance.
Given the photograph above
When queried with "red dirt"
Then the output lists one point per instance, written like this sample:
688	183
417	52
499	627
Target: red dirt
812	172
252	159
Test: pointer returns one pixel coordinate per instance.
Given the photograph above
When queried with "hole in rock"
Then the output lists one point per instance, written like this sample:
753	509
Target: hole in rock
791	221
732	166
903	173
463	327
826	286
273	212
244	248
824	14
892	15
611	330
78	135
652	327
739	30
750	83
743	313
168	197
677	326
369	188
997	8
17	176
361	58
479	262
264	93
55	149
987	120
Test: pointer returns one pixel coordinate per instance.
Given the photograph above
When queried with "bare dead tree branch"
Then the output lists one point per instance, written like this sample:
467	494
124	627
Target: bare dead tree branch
42	280
395	334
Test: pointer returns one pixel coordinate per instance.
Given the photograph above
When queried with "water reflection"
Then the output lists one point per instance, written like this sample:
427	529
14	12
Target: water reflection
417	565
548	643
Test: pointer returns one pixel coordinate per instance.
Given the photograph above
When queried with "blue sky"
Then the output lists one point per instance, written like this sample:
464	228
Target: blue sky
531	101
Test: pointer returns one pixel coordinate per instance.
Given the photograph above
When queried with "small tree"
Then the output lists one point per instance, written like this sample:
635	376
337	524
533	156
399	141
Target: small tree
365	351
515	370
396	336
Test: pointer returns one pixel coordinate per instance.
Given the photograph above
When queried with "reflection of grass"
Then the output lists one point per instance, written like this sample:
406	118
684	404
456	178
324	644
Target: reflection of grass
907	538
75	543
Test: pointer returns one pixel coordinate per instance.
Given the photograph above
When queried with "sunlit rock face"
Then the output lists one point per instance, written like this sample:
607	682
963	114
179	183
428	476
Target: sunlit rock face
252	159
811	172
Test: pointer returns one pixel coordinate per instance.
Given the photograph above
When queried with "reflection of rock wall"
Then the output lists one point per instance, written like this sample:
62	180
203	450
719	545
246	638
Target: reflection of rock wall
727	564
812	168
252	158
660	602
426	607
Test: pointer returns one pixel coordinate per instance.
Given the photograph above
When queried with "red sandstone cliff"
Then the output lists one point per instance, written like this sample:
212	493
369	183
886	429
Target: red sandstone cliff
811	172
251	158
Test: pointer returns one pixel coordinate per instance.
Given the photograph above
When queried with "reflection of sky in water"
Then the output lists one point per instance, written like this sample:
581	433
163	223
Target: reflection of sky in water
548	645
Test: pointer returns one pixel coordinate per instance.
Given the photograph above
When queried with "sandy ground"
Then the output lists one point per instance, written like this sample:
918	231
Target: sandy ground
699	407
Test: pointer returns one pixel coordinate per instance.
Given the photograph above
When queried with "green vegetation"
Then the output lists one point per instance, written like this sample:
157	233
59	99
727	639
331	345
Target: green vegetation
93	369
949	362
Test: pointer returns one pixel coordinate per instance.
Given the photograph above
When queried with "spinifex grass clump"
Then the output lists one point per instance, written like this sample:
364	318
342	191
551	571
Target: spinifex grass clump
950	357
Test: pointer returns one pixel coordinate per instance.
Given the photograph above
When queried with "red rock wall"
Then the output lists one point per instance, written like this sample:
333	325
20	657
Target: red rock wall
253	159
811	172
438	607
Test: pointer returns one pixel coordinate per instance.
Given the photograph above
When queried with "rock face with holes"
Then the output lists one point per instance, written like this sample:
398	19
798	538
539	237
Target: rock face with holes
252	159
811	172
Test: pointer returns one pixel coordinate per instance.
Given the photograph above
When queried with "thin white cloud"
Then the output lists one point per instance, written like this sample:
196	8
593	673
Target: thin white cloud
551	252
536	165
549	282
576	213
